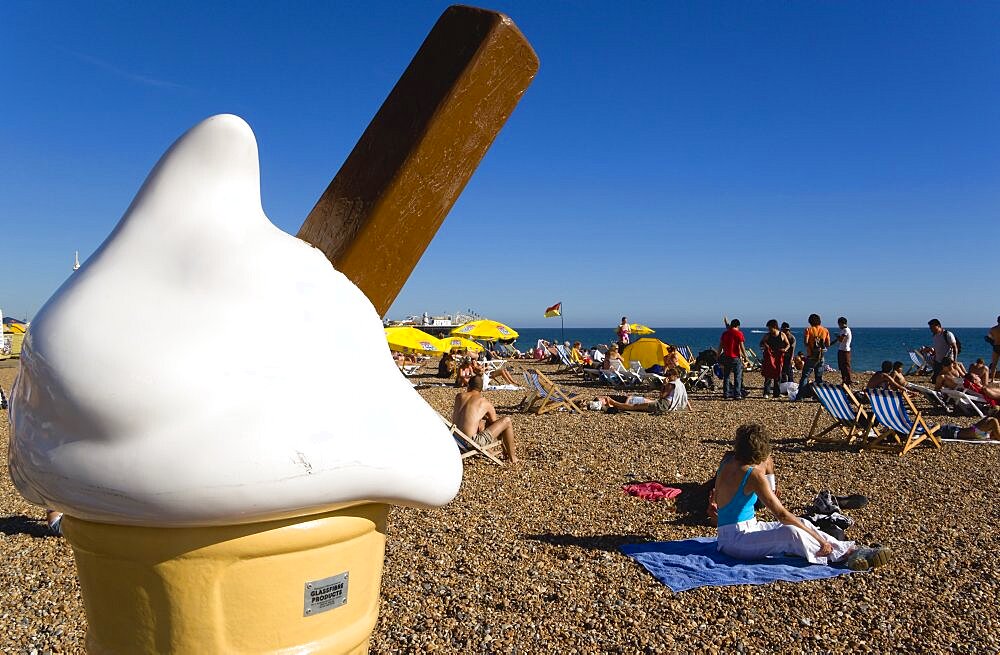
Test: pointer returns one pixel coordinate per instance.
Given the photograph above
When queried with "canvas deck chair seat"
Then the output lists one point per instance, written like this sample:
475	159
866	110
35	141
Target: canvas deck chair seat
468	447
544	395
850	421
896	430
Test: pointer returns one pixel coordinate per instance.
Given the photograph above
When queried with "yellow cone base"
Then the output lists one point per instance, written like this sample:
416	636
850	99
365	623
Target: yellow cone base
230	589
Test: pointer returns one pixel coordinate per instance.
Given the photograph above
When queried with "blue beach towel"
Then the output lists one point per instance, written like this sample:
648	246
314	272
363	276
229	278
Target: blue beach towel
691	563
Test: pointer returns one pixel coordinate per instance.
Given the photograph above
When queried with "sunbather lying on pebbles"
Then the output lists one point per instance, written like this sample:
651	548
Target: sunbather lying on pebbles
672	398
739	481
986	429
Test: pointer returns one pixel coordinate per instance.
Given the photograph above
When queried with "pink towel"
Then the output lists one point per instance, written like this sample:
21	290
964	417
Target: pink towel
651	491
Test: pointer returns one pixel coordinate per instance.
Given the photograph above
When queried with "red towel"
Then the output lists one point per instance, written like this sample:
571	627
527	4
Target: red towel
651	491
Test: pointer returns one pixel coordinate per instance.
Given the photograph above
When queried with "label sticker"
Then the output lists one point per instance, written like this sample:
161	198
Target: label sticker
326	594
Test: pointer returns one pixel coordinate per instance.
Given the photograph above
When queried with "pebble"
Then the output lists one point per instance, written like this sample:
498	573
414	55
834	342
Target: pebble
526	560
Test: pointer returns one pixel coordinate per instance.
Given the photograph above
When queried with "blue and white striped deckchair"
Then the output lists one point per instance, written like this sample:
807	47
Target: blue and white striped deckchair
544	395
920	365
847	413
896	429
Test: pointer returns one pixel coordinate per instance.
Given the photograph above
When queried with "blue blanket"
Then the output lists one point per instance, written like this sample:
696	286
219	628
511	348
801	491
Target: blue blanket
691	563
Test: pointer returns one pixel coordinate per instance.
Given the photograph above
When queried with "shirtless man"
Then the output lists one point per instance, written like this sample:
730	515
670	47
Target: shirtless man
897	374
994	338
982	370
949	375
974	383
476	417
885	379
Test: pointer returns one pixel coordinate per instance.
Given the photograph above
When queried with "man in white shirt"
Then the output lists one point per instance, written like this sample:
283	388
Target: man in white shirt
945	345
844	351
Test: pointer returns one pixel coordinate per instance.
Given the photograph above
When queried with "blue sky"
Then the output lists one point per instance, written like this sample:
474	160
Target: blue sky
672	161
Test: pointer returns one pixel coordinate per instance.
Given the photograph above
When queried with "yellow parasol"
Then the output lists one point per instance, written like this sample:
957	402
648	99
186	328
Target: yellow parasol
640	329
410	339
486	330
459	342
650	352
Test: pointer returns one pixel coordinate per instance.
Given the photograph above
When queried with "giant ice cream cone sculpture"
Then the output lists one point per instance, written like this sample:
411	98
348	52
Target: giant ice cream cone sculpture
221	495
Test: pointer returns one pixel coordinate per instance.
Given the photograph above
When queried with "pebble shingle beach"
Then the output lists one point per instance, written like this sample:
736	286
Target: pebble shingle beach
526	558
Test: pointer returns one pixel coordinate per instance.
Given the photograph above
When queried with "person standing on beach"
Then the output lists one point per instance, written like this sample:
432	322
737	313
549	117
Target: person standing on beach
787	373
945	346
624	332
844	351
993	337
817	341
774	347
732	351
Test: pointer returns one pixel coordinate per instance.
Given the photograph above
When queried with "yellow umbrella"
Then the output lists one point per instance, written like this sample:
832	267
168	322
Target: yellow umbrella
640	329
486	330
650	352
459	342
410	339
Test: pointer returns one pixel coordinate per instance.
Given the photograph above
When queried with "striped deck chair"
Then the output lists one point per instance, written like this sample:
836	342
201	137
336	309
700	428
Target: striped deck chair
847	413
469	448
544	395
568	365
897	431
920	365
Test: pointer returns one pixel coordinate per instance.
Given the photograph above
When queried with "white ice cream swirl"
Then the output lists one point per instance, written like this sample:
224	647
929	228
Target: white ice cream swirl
205	368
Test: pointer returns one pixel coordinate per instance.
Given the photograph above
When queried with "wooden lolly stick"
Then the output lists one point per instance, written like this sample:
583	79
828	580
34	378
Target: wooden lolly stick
392	193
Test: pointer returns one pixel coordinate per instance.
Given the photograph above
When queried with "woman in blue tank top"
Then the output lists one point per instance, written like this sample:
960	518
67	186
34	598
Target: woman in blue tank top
741	479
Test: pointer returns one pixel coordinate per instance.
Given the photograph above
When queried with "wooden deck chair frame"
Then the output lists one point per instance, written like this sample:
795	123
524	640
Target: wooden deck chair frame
857	428
549	396
471	448
888	439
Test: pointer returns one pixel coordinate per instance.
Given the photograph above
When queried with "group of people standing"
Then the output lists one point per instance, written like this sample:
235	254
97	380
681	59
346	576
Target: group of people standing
778	351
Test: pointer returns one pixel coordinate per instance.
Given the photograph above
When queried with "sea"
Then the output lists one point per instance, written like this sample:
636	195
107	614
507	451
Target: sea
870	347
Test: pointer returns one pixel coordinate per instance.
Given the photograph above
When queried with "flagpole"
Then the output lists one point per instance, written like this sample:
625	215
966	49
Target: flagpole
562	324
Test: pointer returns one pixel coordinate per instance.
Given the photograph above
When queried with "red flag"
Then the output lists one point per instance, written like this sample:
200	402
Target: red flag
554	310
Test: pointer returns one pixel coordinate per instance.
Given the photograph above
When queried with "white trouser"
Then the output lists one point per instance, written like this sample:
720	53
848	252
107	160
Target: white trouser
755	539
